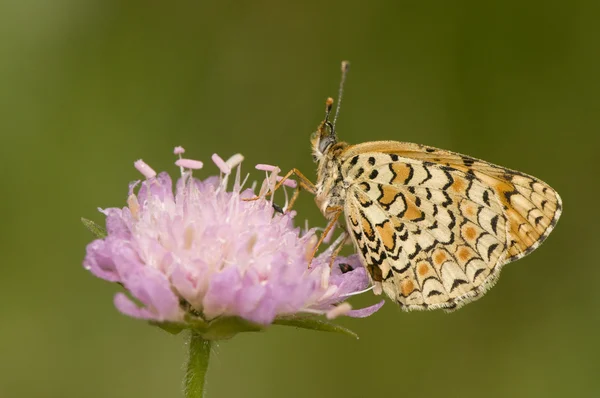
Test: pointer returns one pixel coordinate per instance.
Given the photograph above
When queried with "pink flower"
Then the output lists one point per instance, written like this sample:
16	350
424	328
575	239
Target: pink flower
202	252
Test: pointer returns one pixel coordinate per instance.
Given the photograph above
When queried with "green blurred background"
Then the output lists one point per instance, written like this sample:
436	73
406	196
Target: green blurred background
87	87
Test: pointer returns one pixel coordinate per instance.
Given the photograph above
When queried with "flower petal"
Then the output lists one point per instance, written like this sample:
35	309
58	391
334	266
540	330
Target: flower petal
99	261
129	308
153	289
222	290
365	312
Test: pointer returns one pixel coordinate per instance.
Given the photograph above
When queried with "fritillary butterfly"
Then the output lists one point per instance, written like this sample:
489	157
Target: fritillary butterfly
432	227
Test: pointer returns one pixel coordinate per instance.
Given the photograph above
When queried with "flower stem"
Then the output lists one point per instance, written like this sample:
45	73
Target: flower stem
197	366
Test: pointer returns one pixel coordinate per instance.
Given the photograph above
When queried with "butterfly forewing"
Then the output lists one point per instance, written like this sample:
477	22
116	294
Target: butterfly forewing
435	227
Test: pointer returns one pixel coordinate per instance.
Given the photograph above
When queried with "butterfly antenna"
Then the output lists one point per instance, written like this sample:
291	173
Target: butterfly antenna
328	106
345	68
326	127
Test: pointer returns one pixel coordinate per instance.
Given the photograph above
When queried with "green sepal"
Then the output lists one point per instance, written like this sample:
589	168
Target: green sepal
222	328
306	322
170	327
94	228
227	327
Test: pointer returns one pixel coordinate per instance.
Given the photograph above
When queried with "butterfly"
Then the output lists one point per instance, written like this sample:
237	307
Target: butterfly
432	227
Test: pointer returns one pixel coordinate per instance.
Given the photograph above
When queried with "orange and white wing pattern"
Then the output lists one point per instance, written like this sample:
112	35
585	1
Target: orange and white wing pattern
435	227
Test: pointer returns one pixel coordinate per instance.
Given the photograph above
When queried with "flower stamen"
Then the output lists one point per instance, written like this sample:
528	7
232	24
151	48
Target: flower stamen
221	164
143	168
189	164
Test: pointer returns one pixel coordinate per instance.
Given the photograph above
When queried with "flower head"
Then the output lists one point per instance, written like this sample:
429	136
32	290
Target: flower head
203	252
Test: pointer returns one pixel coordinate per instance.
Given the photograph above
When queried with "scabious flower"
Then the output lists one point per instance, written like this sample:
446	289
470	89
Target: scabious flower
202	252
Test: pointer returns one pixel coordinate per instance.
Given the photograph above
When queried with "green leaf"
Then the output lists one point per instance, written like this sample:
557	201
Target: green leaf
314	324
94	228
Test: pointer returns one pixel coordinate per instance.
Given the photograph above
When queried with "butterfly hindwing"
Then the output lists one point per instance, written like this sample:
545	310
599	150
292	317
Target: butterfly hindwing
435	227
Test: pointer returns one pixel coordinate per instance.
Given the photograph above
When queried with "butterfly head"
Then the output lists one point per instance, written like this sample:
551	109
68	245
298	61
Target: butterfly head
322	139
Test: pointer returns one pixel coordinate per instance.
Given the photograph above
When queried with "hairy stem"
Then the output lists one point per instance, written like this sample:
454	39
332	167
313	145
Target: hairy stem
195	375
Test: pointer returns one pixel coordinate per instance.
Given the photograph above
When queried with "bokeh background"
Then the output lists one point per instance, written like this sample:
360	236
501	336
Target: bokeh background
87	87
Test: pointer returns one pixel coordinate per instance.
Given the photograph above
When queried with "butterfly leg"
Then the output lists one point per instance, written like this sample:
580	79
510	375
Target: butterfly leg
339	248
336	212
303	184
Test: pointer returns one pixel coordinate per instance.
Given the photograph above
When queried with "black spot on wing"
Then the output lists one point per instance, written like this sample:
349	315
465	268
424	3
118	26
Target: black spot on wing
389	275
481	235
491	250
417	251
509	194
401	270
358	236
404	236
449	177
457	283
468	161
452	220
401	196
411	173
494	223
373	174
432	246
479	271
364	250
371	160
448	200
354	160
428	177
420	218
394	157
486	198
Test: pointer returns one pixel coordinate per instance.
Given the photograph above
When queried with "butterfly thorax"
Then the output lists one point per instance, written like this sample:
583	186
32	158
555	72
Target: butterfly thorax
330	187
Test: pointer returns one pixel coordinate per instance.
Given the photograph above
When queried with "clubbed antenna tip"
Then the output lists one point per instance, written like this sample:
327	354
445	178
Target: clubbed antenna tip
345	68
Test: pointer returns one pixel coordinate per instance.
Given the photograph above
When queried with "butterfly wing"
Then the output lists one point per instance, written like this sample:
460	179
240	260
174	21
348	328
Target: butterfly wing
435	227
